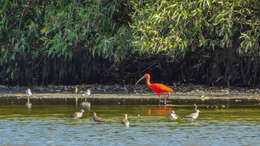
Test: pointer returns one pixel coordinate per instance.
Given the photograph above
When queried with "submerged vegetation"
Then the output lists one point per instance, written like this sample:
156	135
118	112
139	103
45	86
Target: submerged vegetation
214	42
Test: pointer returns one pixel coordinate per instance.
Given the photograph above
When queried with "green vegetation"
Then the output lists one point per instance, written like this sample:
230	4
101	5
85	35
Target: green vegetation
216	42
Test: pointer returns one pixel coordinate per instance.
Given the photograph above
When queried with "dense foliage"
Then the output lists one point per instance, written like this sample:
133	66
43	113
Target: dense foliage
221	35
55	40
67	42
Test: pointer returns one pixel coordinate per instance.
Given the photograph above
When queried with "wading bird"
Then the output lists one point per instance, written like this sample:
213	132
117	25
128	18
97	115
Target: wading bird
193	116
173	115
96	118
28	94
87	93
157	87
86	104
77	115
125	121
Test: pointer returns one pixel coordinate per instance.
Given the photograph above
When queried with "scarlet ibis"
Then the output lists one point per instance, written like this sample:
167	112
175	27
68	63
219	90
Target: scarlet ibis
157	87
125	121
173	115
193	116
96	118
77	115
28	94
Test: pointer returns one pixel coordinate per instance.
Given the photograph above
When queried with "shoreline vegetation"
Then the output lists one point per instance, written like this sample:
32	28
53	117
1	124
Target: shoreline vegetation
208	42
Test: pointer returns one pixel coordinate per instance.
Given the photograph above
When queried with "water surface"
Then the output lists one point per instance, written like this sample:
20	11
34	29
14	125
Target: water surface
149	125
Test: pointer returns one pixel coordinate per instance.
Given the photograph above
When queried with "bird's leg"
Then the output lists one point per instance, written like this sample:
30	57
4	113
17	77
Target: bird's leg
165	99
28	99
159	98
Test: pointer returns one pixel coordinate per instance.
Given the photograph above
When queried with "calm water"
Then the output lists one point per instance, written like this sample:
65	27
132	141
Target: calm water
149	125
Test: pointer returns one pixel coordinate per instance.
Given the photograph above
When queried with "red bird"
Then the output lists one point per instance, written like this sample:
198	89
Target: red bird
157	87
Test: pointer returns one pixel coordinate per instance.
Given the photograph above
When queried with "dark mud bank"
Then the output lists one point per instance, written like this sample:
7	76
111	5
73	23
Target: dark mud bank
128	99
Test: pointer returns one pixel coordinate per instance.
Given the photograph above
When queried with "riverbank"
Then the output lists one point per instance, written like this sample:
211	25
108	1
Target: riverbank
131	95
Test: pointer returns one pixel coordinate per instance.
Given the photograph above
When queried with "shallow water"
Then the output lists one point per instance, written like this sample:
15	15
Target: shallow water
149	125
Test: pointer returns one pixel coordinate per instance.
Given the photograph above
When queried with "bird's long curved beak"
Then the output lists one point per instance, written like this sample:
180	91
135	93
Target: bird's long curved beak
139	80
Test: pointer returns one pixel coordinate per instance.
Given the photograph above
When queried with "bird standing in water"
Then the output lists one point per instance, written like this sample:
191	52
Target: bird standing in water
96	118
193	116
125	121
77	115
157	87
86	104
87	93
28	94
173	115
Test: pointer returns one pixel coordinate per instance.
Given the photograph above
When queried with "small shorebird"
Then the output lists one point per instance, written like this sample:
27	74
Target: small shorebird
88	93
86	104
173	115
125	121
96	118
28	94
77	115
193	116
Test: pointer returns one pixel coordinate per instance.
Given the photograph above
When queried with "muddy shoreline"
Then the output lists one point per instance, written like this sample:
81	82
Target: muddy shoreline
132	95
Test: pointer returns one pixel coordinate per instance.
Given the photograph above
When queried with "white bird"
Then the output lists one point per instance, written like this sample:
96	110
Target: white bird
28	94
173	115
86	104
125	121
193	116
96	118
77	115
88	93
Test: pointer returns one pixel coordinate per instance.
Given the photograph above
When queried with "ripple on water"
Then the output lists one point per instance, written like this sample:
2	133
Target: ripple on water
53	127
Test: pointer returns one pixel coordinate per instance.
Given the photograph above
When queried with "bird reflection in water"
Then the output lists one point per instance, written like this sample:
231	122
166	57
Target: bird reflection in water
159	111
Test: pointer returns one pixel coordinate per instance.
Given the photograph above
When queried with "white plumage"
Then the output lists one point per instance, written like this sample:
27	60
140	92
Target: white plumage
173	116
77	115
195	115
125	121
28	94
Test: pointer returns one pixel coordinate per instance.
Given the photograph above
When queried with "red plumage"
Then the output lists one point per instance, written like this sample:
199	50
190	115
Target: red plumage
156	87
160	88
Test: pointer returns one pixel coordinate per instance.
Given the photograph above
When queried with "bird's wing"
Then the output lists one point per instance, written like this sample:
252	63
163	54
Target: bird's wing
98	119
73	115
189	115
161	88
